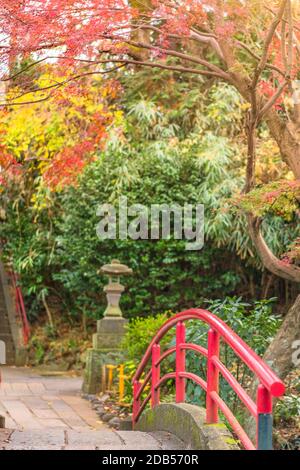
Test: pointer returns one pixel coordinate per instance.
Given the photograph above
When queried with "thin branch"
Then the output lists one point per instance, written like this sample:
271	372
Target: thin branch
25	102
283	45
267	43
256	56
187	57
205	38
11	77
290	40
208	39
122	62
272	100
68	80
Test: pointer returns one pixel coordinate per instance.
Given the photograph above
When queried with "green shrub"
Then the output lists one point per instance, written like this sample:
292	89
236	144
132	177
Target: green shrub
140	332
288	408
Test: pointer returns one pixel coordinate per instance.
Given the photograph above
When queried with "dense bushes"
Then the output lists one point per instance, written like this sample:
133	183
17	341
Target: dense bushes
166	276
182	145
164	155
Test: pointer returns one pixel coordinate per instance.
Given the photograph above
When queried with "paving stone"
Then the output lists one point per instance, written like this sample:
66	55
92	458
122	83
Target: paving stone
138	439
94	438
21	389
6	388
9	422
67	414
44	413
32	438
83	409
21	414
35	402
52	423
167	441
80	447
37	388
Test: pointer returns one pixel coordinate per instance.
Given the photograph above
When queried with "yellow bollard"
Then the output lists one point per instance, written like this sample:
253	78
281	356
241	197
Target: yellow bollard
110	368
103	380
121	383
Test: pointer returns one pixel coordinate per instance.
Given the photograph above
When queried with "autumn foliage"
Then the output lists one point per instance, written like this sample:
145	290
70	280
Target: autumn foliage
58	139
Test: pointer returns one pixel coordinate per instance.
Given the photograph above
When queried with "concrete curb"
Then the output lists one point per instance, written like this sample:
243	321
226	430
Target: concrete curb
187	422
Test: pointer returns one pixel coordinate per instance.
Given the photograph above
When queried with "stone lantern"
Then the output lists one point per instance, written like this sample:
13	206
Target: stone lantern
107	341
114	288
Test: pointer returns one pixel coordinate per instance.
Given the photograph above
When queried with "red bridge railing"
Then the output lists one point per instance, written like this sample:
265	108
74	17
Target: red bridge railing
269	385
20	307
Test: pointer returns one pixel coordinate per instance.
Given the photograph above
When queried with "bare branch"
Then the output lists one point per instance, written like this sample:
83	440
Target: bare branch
272	100
208	39
122	62
264	58
290	40
22	103
256	56
11	77
184	56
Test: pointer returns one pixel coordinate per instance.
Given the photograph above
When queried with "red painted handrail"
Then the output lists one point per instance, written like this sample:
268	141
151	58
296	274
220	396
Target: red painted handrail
269	384
20	307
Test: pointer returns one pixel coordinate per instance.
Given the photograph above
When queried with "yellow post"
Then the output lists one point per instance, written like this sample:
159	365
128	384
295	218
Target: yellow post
103	379
110	368
121	383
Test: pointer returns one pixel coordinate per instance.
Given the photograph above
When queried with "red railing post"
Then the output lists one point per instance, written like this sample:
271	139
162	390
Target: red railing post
136	401
180	362
213	349
264	429
155	373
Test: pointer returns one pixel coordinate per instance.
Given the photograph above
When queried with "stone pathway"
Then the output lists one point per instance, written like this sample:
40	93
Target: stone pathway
48	413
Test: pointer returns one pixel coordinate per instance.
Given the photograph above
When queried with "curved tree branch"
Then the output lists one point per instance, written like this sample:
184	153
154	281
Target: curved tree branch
290	272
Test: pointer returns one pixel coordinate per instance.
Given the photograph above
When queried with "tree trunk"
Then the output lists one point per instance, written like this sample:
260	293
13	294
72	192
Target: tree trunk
281	355
290	272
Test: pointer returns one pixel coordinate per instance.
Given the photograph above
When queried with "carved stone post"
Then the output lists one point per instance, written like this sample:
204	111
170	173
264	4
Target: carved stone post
110	330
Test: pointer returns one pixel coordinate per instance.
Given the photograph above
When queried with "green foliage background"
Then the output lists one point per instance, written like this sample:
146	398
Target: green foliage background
181	142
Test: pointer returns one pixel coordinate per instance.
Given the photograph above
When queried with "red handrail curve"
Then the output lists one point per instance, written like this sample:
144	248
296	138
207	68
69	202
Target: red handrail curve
269	384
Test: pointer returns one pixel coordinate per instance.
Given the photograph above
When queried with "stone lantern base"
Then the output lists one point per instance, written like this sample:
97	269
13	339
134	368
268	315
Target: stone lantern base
106	349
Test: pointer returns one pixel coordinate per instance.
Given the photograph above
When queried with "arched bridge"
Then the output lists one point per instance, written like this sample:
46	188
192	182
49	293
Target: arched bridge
165	416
